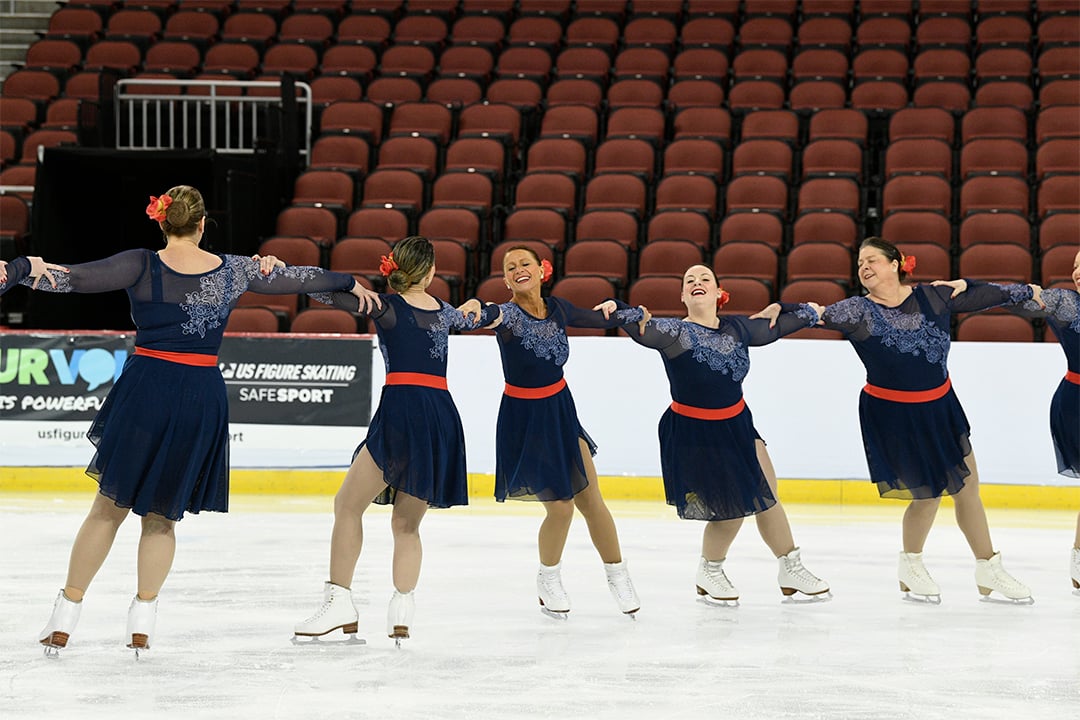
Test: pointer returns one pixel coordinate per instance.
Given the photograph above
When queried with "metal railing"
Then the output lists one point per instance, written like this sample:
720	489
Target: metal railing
172	119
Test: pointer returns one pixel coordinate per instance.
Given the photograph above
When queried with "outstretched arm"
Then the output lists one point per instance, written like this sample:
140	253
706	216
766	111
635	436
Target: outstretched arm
975	295
117	272
792	318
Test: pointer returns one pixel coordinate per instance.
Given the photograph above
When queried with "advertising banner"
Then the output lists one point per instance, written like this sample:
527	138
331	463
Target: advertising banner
293	401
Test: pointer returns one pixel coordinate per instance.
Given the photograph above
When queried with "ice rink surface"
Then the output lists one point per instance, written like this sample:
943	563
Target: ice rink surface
482	650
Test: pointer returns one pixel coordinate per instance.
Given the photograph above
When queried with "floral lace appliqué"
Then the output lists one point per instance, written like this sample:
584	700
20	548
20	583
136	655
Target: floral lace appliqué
208	308
63	283
807	313
717	349
544	337
439	332
1064	306
908	333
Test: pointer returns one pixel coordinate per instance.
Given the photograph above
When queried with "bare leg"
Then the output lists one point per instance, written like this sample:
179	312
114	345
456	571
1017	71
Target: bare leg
157	547
408	552
92	545
553	530
918	519
1076	543
772	524
590	504
971	516
717	538
363	483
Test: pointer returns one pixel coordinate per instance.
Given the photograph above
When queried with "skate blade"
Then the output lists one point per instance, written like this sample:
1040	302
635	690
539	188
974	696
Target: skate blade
717	602
1076	593
995	599
555	614
922	599
801	598
318	642
52	652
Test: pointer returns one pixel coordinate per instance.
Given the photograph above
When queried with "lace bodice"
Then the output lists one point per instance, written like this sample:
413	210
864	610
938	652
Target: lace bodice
706	366
907	347
175	311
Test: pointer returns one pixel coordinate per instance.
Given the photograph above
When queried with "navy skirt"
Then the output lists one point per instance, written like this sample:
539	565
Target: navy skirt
915	451
162	438
1065	427
416	439
537	455
710	467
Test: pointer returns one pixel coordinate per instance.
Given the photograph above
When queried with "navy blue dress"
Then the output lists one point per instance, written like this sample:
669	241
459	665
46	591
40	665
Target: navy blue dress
1062	314
914	449
162	434
710	465
415	436
537	456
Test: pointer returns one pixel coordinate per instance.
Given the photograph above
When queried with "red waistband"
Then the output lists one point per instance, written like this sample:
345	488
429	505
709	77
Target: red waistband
411	378
537	393
909	396
724	413
183	358
1072	377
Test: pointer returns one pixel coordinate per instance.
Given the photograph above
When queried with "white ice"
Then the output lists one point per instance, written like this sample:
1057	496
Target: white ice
482	649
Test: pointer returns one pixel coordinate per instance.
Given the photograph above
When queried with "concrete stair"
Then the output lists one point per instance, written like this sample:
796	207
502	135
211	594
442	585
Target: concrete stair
21	23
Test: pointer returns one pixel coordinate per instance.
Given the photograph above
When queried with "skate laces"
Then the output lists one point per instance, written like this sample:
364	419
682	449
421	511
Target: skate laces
551	585
620	584
796	569
1005	581
714	572
917	571
320	612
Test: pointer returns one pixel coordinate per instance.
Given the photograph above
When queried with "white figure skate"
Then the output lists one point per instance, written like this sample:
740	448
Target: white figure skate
337	612
622	589
713	584
554	602
915	581
142	617
65	616
990	576
399	616
795	578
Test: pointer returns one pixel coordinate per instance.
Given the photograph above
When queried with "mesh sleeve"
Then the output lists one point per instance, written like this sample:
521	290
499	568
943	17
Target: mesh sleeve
117	272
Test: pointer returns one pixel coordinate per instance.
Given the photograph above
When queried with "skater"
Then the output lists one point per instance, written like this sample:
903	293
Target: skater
1061	308
714	463
414	454
541	451
914	431
154	463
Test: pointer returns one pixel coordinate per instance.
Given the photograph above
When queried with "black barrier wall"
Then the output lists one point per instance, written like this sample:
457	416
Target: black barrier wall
90	203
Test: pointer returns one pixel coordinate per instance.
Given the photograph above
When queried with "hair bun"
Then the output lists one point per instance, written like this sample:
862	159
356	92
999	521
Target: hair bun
178	214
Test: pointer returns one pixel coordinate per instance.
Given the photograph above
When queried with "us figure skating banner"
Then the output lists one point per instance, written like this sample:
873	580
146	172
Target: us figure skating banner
293	401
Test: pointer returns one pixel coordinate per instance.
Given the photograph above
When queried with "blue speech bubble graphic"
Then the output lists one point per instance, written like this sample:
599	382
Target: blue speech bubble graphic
96	367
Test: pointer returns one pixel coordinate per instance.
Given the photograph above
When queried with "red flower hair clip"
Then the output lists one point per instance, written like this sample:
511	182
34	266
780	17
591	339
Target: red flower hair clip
387	265
722	298
157	207
545	271
907	263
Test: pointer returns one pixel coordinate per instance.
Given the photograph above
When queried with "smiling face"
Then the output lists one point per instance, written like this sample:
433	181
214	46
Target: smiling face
877	272
1076	271
699	288
522	271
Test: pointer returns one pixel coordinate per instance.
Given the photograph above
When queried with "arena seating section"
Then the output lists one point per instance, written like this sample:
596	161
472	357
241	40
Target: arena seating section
627	140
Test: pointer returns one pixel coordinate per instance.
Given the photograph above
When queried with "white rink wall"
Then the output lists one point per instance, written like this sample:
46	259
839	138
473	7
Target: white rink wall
803	394
804	397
